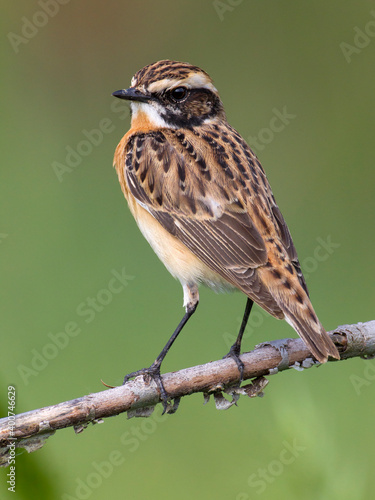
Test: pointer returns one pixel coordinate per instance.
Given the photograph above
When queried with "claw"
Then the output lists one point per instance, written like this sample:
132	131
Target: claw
234	354
154	373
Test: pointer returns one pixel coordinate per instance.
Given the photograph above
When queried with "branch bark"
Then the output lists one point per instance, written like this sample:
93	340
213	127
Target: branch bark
138	397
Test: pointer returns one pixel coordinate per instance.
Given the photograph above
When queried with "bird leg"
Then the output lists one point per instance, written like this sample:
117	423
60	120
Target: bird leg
235	350
154	370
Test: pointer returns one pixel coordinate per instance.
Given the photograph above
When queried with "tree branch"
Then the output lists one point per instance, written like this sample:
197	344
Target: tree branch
138	397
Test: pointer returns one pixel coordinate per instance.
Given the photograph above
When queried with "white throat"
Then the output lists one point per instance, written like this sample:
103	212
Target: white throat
152	114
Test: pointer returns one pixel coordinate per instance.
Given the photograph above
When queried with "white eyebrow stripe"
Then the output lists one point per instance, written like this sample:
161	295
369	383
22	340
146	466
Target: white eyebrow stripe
196	81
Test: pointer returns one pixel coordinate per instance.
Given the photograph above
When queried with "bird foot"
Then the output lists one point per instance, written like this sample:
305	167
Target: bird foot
234	353
153	373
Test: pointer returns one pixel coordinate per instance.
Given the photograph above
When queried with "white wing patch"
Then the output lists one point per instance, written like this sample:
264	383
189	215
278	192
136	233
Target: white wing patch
214	206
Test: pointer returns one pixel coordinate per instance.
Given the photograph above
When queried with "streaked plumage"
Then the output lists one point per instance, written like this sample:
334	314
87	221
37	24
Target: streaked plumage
202	199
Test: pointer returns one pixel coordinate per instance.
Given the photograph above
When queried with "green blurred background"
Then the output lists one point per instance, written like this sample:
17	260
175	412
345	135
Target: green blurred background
63	237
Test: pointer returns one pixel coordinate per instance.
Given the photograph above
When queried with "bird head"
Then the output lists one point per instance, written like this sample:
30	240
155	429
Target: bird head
173	94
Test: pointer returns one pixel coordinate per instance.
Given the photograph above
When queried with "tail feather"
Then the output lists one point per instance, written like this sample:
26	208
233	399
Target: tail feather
314	336
291	298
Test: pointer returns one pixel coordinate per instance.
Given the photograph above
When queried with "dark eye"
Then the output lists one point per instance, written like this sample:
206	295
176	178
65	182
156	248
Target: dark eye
179	93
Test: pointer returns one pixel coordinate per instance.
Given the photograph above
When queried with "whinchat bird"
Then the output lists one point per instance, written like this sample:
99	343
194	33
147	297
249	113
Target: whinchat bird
203	202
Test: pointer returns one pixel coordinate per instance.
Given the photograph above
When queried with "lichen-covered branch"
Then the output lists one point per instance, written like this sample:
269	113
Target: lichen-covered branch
138	397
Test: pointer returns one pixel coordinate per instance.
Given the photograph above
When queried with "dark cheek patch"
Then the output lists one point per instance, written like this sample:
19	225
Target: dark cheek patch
191	112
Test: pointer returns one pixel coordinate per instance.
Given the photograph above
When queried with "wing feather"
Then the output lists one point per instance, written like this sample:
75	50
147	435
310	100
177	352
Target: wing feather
210	224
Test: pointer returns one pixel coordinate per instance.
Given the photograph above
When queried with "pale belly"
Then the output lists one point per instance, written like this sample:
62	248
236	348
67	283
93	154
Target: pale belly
176	257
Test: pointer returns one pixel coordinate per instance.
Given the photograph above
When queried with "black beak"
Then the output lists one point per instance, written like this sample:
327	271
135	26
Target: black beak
132	94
